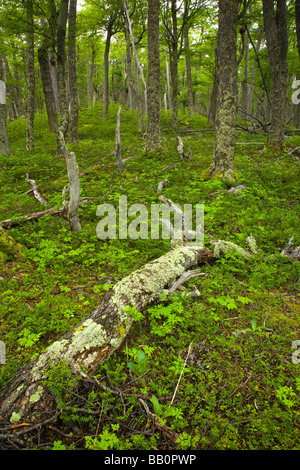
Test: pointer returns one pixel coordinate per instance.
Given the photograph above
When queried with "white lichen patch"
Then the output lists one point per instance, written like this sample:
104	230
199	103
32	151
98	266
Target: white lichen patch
37	395
89	335
145	285
222	247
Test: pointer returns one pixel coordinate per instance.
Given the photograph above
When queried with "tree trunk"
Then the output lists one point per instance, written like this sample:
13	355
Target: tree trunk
10	91
188	71
297	17
4	144
245	83
30	77
153	84
214	94
26	398
106	69
174	65
275	24
222	166
129	67
253	71
43	59
74	185
73	92
61	71
169	101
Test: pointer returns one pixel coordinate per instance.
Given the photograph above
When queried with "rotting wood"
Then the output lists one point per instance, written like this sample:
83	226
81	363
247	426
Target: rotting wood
74	185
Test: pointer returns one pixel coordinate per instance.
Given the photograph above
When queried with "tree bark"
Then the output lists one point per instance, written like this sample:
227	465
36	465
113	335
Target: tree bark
188	71
73	92
74	185
43	59
106	69
4	144
174	65
118	143
275	24
30	77
153	84
297	17
169	101
213	99
61	71
129	67
26	398
222	166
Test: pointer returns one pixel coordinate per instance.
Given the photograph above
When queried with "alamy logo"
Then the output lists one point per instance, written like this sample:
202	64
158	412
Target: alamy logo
296	94
136	222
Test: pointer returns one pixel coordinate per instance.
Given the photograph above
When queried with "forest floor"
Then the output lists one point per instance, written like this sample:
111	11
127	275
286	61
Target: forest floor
216	369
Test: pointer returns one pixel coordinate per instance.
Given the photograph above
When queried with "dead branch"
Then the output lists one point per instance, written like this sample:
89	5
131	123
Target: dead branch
158	423
74	185
8	223
35	190
161	185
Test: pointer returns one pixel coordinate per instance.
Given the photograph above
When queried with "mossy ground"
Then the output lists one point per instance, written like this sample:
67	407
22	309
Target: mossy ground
240	387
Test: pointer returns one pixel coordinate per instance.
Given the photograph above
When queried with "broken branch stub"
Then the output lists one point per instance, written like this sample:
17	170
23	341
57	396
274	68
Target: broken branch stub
74	185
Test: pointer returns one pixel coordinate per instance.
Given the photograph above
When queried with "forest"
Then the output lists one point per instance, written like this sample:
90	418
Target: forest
149	225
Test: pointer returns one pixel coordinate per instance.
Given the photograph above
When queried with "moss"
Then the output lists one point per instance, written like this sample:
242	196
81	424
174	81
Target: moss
9	248
229	177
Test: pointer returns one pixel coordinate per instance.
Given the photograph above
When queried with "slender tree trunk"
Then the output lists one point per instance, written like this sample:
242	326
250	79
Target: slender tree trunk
73	92
10	91
275	24
245	83
253	72
174	65
169	101
106	70
153	85
222	166
4	144
61	70
214	94
188	71
129	67
43	59
297	17
30	77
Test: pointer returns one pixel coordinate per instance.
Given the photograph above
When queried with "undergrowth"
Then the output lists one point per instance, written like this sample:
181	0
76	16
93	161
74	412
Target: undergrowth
216	369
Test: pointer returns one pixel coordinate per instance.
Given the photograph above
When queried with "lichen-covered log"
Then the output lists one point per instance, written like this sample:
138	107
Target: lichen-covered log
27	396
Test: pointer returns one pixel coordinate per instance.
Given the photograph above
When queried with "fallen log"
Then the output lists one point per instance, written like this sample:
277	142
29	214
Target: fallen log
27	397
8	223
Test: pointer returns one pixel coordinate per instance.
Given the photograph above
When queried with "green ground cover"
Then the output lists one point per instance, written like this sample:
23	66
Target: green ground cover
239	387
